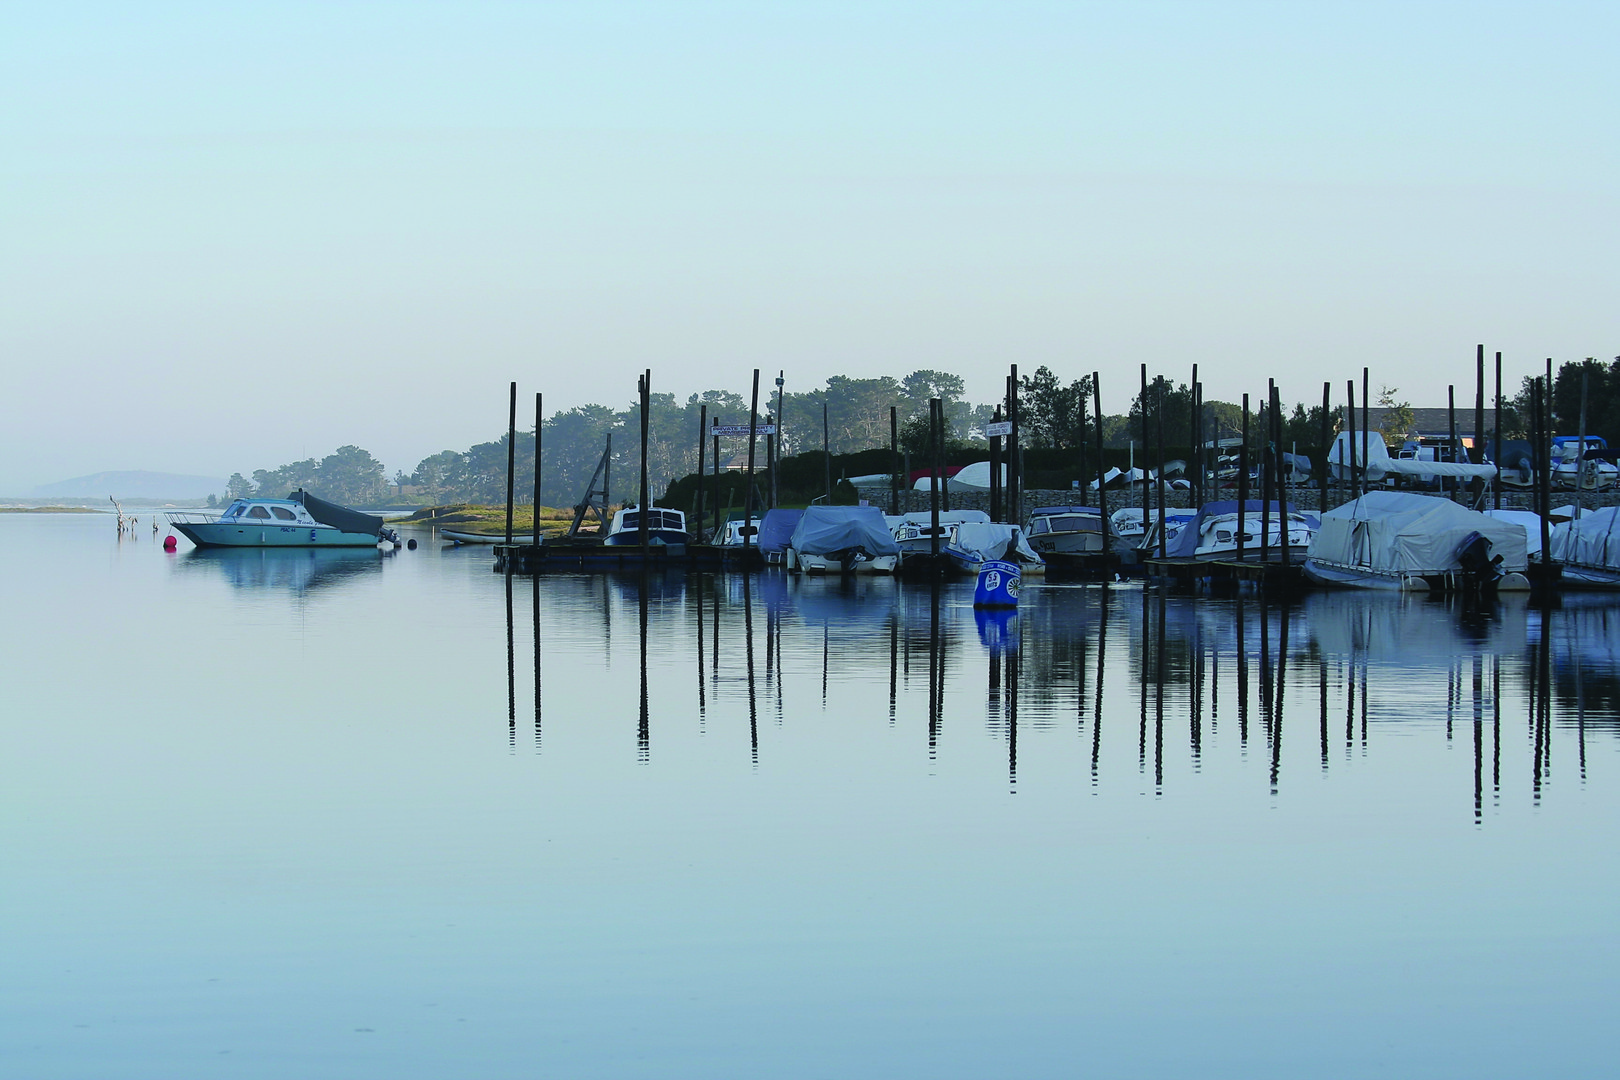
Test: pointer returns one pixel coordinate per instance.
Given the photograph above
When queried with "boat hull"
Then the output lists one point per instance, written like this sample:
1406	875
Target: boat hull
241	534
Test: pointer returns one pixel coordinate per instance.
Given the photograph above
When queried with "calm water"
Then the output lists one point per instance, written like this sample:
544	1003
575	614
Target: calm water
371	816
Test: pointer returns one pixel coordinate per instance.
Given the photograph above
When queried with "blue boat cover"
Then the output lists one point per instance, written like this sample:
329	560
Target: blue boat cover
776	529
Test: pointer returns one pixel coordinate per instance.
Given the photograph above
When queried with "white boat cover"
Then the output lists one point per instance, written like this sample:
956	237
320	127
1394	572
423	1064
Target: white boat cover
1593	539
1398	532
1379	464
826	529
974	477
1528	520
983	540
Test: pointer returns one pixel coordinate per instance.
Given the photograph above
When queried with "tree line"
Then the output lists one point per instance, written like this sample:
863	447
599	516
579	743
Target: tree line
845	416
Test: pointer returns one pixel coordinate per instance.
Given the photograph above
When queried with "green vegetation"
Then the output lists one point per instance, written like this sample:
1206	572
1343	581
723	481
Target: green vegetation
491	519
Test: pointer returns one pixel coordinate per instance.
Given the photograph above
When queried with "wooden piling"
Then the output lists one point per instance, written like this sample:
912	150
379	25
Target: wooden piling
511	459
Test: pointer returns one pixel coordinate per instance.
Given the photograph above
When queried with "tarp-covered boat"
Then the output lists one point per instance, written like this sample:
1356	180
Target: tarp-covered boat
842	539
1399	540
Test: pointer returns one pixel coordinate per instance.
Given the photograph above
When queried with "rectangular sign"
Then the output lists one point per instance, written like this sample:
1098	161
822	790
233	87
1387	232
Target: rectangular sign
1003	428
742	429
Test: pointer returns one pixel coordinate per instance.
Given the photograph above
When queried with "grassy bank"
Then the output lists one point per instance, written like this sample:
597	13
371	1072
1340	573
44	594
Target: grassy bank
490	520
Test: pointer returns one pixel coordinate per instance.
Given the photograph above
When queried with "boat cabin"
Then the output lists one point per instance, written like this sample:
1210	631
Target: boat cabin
269	512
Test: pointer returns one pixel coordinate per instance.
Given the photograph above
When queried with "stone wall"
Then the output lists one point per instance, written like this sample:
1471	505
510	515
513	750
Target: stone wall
1302	497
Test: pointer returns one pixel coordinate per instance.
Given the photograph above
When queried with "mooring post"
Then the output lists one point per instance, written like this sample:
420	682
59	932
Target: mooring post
1102	494
935	480
537	476
995	470
748	497
703	436
1350	443
511	463
894	460
1015	456
1243	478
1496	436
1327	445
826	443
646	401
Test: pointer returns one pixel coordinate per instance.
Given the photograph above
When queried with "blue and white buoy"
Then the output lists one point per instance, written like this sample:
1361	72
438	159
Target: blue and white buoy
998	585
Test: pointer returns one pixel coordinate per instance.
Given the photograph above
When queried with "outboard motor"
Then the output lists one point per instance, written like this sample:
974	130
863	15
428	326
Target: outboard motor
1474	555
848	557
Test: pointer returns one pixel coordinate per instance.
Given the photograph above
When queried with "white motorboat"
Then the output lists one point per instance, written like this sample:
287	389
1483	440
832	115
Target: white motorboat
1218	528
914	532
300	520
1068	530
664	527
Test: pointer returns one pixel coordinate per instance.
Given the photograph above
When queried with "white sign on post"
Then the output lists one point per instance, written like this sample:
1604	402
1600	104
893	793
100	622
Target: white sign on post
742	429
1003	428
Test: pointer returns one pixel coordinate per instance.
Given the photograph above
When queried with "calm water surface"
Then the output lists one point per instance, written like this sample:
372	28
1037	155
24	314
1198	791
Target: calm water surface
342	815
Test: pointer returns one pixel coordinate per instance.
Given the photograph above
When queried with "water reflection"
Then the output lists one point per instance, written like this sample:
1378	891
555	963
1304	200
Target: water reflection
297	570
1317	683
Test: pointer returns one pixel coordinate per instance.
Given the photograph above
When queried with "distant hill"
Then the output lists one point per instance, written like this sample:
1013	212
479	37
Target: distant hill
137	484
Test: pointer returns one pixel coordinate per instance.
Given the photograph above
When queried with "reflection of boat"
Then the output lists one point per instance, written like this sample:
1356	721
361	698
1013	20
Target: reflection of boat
978	542
299	521
1397	540
1412	632
294	569
843	539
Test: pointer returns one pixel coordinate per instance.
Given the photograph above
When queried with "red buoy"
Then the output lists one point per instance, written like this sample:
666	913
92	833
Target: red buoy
170	543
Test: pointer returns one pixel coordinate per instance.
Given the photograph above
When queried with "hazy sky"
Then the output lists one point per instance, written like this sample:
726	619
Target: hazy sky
236	235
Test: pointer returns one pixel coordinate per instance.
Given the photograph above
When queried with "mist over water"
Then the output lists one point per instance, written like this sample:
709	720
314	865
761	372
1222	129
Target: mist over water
359	813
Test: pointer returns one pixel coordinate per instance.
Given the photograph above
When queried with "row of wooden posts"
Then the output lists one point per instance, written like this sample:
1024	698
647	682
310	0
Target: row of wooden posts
1006	501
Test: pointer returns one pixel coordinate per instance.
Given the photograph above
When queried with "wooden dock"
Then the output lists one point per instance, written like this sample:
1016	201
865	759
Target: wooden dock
554	556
